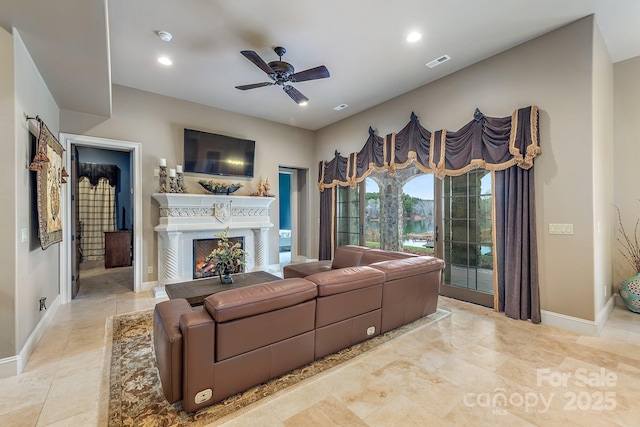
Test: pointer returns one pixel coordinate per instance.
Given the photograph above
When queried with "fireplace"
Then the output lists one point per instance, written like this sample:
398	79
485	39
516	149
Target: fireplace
202	248
185	218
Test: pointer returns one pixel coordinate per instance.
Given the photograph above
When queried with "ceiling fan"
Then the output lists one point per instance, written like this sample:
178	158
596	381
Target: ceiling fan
283	73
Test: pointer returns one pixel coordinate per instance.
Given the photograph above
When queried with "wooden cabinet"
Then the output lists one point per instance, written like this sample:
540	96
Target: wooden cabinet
117	248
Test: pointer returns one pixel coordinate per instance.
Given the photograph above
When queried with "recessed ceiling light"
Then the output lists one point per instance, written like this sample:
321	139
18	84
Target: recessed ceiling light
165	36
340	107
414	37
164	60
303	103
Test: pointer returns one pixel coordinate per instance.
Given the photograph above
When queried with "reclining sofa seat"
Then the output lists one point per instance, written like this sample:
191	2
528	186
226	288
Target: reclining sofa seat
245	336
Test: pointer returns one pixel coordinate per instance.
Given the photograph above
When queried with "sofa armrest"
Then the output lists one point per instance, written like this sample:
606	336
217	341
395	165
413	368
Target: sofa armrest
167	343
198	334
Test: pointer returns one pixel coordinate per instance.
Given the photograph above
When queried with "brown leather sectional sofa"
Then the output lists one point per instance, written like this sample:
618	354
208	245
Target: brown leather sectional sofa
246	336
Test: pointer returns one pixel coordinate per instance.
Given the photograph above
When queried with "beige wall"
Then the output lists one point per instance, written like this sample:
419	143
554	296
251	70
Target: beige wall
603	221
157	122
38	271
626	155
7	198
553	72
29	273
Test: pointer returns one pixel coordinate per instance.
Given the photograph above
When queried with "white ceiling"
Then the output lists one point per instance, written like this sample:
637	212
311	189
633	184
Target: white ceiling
81	49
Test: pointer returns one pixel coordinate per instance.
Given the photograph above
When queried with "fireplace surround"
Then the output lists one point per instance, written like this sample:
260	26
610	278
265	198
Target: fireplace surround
188	217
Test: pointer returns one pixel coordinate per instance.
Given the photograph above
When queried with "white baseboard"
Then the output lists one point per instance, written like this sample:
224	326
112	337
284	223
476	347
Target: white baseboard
159	292
14	365
148	286
576	324
619	302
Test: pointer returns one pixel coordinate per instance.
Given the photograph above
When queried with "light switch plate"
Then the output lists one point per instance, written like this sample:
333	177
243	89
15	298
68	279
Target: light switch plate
561	229
25	235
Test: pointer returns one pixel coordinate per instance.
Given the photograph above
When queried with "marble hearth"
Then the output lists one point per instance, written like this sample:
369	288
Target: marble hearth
188	217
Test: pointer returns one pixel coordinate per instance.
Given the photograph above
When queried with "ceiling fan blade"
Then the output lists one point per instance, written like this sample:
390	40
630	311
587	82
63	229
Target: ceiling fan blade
295	94
259	62
320	72
254	85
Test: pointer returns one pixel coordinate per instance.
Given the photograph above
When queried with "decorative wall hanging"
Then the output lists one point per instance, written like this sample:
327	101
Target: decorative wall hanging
47	163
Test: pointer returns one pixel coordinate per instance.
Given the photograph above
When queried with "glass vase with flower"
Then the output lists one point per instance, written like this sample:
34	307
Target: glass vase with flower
225	259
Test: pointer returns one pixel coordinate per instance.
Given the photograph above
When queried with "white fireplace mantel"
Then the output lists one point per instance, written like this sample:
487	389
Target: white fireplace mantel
188	217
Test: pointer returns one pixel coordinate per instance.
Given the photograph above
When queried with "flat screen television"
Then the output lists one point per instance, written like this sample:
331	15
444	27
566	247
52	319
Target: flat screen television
213	154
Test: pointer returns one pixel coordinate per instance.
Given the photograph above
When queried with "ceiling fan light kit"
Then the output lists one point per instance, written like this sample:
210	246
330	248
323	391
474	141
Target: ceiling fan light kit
282	73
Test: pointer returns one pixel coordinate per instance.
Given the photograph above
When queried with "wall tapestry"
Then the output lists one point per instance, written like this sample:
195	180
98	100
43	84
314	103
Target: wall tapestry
48	165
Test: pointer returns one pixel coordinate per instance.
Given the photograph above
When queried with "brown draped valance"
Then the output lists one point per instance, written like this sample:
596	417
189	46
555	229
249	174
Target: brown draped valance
95	171
485	142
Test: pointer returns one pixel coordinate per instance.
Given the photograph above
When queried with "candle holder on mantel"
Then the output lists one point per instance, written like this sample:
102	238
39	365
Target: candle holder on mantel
163	179
180	183
173	185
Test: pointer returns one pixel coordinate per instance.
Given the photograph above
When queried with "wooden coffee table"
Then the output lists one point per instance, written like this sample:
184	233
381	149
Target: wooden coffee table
195	291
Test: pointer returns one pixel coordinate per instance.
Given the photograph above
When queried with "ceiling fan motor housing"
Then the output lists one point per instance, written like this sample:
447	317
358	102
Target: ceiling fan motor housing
282	71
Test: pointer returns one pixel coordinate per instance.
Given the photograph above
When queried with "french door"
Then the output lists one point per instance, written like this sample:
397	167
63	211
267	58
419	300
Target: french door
450	218
466	244
349	216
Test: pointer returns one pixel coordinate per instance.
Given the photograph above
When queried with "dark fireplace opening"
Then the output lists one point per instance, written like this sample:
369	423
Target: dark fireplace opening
202	248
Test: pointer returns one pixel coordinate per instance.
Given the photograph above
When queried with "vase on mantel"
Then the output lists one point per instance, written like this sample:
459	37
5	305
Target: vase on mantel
630	293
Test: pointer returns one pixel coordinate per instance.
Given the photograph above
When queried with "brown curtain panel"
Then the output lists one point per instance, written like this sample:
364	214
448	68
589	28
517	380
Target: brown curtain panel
326	225
498	144
517	247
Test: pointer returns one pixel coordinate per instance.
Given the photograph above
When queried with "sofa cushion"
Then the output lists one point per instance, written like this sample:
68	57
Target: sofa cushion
305	269
256	299
348	256
346	279
405	267
377	255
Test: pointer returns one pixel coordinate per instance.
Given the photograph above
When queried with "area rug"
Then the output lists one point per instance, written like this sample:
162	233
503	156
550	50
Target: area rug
135	392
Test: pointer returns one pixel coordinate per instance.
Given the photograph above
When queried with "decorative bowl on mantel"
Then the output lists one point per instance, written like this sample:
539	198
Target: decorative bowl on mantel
219	187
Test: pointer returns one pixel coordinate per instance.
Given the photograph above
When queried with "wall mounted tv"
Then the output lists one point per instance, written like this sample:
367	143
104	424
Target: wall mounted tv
213	154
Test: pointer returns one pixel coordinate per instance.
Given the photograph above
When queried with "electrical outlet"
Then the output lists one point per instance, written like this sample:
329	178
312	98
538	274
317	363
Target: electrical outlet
25	235
150	269
156	172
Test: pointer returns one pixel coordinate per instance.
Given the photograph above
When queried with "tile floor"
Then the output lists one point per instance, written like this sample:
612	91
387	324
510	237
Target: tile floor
475	367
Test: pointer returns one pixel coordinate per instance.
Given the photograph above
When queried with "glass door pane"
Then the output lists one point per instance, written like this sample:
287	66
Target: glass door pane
419	219
467	237
372	213
348	216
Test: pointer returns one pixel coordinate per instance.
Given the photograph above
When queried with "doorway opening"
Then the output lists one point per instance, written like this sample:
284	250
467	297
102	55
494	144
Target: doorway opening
102	221
294	234
127	223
